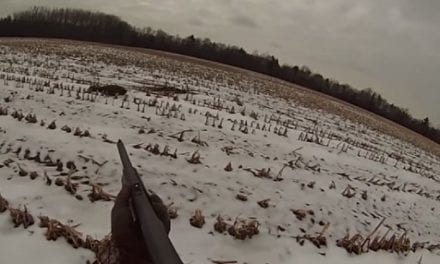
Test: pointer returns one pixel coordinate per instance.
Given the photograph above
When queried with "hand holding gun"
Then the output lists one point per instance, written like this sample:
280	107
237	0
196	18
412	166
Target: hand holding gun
140	222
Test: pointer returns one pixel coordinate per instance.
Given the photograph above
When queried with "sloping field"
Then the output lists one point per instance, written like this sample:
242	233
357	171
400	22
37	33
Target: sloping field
294	176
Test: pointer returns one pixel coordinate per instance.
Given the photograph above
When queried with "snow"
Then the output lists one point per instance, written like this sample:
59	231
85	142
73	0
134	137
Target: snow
206	186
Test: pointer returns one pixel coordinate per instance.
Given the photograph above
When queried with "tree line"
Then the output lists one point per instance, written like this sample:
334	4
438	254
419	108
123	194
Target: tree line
99	27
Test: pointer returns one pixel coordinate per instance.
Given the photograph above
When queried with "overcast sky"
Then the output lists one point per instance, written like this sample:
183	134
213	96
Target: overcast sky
392	46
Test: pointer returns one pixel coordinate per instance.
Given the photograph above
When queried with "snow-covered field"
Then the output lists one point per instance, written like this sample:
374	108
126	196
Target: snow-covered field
345	176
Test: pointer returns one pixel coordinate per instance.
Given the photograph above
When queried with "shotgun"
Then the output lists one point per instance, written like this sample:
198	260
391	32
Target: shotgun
154	234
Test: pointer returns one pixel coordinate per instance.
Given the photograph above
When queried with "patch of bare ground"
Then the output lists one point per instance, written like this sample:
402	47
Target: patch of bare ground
269	85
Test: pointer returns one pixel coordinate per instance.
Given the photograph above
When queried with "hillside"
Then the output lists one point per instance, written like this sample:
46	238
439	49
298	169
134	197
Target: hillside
78	24
226	142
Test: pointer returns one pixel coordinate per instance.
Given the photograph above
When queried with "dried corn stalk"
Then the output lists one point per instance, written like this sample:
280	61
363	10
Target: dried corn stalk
22	172
242	229
59	182
21	217
264	203
332	185
352	245
195	158
33	175
241	197
48	179
302	213
228	167
172	211
56	229
98	194
197	220
220	225
91	243
319	240
349	191
66	129
70	186
358	245
52	125
260	173
4	204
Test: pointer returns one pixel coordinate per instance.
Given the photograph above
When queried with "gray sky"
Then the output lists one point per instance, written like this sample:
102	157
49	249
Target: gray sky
392	46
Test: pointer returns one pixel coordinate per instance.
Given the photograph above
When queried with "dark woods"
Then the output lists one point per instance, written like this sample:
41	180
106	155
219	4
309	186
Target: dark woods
99	27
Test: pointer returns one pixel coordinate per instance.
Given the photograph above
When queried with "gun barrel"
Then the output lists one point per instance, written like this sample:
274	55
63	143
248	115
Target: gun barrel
130	176
123	154
156	239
